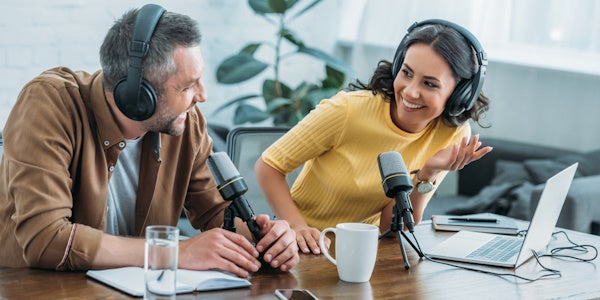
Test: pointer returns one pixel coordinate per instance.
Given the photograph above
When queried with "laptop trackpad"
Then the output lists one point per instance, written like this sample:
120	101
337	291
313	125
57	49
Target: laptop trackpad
461	244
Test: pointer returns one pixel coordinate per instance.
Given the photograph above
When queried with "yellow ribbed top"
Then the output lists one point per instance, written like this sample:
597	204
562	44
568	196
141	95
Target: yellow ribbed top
338	143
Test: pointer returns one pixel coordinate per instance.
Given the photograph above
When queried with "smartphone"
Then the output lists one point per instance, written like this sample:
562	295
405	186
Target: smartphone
295	294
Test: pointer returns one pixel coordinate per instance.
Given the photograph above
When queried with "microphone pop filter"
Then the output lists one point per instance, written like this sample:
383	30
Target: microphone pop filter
222	168
390	163
394	176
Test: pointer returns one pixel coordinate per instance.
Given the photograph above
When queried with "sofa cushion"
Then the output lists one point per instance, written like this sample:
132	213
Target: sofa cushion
581	210
509	171
591	165
542	169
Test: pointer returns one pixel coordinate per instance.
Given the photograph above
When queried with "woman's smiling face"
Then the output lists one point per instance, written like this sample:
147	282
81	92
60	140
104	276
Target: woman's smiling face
422	88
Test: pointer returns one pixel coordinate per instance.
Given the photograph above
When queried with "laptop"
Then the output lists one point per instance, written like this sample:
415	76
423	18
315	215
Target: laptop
511	251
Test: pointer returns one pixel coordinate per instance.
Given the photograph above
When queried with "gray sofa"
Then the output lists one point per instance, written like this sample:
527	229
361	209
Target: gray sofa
509	181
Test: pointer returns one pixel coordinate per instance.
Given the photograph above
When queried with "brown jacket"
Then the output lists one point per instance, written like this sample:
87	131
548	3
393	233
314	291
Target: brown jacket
60	145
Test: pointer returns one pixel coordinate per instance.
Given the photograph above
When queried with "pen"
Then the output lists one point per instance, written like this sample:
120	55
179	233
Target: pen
465	219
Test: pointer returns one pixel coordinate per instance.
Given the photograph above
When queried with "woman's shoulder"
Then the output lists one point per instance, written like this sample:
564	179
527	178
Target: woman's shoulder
452	133
356	98
355	95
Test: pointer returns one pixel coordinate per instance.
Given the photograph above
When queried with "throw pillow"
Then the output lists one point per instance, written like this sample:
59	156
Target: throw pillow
591	165
509	171
541	169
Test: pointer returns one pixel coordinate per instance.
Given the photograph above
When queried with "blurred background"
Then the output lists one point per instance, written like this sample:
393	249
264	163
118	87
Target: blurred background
543	76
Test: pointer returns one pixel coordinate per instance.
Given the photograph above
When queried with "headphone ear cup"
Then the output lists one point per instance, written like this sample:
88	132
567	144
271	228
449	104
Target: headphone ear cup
147	101
135	109
119	93
460	99
398	59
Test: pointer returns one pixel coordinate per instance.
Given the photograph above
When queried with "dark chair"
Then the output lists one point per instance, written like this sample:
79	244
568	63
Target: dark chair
244	146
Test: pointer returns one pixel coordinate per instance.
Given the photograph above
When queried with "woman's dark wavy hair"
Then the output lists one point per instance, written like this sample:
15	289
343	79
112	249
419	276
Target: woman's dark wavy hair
449	44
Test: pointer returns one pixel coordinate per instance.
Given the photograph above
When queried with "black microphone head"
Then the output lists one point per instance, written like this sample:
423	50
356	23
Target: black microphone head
222	168
393	173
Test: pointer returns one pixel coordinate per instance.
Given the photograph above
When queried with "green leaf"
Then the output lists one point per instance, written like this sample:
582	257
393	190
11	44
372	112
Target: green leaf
289	35
277	103
250	48
260	6
233	101
336	75
248	113
271	6
275	89
303	89
284	117
291	3
307	8
328	59
315	96
292	119
305	107
278	6
330	83
238	68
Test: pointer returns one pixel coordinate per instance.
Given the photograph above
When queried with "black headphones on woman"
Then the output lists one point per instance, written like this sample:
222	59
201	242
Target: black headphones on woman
134	96
467	91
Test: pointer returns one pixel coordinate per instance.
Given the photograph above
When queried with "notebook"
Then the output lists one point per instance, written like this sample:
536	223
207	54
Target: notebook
511	251
131	280
479	222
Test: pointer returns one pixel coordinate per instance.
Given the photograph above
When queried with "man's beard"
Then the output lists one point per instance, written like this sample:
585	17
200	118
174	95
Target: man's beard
165	123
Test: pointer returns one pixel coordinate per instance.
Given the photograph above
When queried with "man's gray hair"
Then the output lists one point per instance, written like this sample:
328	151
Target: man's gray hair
173	30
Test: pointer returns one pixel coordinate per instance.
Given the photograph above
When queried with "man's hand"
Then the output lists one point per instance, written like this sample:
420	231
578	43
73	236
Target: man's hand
219	249
279	241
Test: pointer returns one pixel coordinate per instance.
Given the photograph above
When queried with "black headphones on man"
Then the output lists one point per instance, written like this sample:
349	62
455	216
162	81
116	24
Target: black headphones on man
467	91
134	96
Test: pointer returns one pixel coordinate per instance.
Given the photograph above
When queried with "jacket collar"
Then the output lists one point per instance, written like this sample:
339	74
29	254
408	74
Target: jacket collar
108	130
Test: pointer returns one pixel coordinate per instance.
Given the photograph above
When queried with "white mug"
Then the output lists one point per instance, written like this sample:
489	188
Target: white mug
355	250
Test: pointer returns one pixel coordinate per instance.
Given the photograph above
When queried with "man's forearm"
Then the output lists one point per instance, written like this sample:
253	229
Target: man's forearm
116	251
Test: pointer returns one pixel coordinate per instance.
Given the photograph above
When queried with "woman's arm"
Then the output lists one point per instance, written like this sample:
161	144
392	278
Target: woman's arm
277	194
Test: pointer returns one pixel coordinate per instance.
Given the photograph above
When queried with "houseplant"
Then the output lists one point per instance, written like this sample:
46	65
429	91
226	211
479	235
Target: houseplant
286	105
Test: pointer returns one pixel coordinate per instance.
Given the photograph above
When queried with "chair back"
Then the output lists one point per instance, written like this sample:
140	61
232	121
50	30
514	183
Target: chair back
244	146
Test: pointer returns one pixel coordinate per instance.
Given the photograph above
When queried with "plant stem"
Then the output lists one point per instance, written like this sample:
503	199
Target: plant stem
278	89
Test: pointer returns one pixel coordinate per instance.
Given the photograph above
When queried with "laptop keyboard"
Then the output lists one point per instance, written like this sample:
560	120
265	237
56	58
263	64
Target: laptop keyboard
498	249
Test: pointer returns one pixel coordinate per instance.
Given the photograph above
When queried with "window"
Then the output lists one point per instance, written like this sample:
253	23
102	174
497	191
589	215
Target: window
554	34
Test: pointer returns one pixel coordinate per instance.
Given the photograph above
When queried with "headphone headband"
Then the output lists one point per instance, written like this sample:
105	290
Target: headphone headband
479	53
134	96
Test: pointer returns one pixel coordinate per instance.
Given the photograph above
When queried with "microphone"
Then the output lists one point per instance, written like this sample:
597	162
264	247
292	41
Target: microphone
232	187
397	184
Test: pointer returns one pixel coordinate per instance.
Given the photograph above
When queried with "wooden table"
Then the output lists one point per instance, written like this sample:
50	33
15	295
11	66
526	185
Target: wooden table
424	280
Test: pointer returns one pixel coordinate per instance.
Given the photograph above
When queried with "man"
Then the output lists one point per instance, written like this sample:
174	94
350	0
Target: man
90	160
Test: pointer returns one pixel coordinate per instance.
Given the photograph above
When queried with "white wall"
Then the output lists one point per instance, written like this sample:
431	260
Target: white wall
545	106
36	35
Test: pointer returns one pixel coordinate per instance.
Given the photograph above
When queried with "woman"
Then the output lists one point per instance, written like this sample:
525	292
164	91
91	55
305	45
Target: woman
418	105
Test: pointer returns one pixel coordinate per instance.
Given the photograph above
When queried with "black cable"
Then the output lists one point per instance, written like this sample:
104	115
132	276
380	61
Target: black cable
488	272
551	273
421	254
583	248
